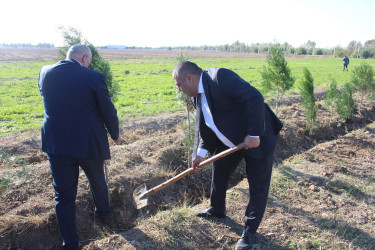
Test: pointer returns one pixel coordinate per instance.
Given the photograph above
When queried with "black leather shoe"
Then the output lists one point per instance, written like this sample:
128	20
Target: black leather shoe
246	240
210	212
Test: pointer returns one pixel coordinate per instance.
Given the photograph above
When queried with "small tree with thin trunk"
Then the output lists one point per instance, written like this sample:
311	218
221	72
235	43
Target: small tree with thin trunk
308	99
189	127
182	97
277	75
332	96
362	79
345	103
73	36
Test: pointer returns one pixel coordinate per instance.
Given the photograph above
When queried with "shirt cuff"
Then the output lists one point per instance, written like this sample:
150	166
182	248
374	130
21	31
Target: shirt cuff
254	136
202	152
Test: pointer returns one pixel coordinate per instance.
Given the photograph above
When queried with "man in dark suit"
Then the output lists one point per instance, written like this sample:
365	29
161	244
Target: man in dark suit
232	112
346	63
78	113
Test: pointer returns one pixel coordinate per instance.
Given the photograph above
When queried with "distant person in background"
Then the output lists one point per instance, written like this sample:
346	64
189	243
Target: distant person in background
346	63
78	112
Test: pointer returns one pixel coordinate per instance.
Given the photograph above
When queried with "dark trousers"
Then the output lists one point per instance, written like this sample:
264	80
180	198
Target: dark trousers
65	172
345	67
258	173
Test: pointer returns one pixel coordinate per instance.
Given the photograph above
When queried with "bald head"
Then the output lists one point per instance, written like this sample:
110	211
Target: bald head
81	53
186	77
184	68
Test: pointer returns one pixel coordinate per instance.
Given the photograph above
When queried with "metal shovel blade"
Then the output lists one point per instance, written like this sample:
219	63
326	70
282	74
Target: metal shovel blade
140	200
140	194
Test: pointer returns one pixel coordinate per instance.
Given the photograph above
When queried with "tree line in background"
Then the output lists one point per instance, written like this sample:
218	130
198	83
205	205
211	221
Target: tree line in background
26	45
354	49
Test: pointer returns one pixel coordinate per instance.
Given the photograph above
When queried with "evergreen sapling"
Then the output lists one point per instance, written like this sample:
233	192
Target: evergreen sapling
308	99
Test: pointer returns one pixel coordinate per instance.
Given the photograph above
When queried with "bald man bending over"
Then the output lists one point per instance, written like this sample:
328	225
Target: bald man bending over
78	113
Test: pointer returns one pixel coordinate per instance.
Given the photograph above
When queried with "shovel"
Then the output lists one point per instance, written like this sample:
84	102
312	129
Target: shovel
140	194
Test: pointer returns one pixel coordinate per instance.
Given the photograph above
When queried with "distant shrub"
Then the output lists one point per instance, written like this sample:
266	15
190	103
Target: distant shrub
327	52
355	53
367	53
182	56
318	51
263	49
345	103
362	79
291	50
340	53
301	51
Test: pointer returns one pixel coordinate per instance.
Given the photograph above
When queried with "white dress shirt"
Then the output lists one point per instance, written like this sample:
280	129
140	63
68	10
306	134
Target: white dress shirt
210	121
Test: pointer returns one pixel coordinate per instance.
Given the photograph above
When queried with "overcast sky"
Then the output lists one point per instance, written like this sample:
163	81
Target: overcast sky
156	23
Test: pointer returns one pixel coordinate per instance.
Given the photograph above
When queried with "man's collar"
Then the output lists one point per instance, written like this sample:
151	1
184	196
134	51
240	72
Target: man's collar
74	60
200	85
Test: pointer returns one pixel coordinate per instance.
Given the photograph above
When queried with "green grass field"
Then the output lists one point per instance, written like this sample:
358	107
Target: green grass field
148	88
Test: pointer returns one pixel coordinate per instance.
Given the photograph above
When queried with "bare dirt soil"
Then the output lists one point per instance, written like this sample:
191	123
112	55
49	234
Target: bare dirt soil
312	197
7	54
152	152
37	54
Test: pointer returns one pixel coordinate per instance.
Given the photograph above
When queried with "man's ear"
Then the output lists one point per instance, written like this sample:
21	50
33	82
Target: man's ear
85	59
189	78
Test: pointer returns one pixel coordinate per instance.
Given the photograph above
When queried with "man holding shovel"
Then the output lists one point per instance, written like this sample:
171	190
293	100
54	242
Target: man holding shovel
231	111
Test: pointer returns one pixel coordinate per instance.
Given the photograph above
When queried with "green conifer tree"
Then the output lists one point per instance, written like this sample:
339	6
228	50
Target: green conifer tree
362	79
308	99
189	127
73	36
183	99
277	75
332	96
345	103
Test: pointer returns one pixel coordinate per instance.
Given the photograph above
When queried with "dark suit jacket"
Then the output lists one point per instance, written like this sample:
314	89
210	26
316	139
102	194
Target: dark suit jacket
238	109
78	109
